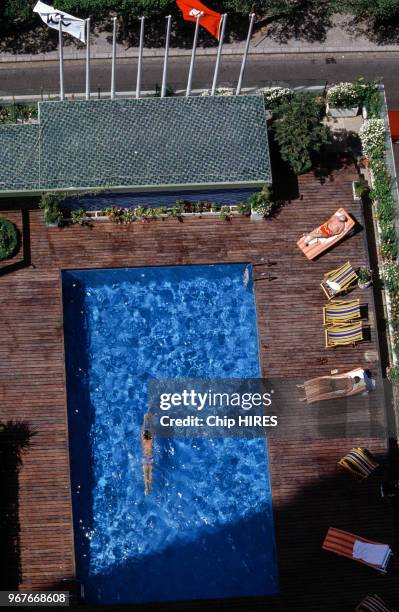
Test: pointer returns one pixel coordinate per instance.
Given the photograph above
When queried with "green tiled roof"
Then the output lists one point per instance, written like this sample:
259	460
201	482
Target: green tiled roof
151	142
19	157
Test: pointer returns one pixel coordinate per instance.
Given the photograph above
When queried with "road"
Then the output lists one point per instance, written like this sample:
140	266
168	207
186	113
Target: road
28	78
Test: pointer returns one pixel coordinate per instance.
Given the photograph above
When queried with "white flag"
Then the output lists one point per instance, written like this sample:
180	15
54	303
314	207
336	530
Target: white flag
51	17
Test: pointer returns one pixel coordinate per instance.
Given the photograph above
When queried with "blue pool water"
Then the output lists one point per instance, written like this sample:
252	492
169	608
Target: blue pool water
206	530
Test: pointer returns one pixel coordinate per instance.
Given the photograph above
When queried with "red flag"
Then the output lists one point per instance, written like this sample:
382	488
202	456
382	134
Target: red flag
210	20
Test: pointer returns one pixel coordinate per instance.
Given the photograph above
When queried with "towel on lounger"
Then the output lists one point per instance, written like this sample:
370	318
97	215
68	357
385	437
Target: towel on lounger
375	554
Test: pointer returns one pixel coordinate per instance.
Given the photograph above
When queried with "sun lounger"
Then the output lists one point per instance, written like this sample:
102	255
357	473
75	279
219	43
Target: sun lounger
359	462
373	603
373	554
318	245
334	386
338	281
344	334
341	311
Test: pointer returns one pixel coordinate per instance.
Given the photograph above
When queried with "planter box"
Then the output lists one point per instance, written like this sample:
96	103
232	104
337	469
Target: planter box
342	112
364	285
355	197
99	215
255	216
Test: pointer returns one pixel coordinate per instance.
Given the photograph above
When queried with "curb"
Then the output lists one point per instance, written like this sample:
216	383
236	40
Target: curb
159	53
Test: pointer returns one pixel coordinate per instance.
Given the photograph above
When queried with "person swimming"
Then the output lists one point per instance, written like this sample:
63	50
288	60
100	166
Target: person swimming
147	437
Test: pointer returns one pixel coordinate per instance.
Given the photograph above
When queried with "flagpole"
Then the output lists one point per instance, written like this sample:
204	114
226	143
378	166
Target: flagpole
165	62
190	72
219	53
244	59
61	52
113	64
88	58
140	61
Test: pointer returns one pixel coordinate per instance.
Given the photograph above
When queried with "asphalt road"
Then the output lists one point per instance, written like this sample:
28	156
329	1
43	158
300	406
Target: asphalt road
28	78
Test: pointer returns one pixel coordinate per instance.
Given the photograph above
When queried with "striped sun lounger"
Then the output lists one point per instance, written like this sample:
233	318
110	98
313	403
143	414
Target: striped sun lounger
343	334
343	542
338	281
341	311
359	462
373	603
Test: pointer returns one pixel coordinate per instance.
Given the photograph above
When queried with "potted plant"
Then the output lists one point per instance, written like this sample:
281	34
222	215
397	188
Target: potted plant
274	96
225	213
343	100
261	203
244	209
359	188
50	203
115	214
364	277
78	217
9	239
220	91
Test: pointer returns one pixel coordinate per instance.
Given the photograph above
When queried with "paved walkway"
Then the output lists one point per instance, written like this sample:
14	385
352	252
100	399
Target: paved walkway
340	38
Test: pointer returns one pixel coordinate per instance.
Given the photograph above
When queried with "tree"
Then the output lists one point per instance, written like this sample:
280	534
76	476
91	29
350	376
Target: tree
383	10
99	8
277	8
299	132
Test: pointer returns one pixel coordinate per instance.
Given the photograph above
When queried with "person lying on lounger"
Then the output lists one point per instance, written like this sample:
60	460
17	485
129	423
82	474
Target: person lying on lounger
333	227
338	385
147	437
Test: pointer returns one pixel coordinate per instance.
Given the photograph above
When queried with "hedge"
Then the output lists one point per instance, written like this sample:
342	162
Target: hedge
8	239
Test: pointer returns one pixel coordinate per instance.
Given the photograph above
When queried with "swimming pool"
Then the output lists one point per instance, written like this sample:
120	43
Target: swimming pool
206	530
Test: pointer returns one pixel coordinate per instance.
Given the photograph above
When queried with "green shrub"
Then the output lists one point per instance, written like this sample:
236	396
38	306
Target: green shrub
78	217
148	213
9	238
389	245
16	113
390	276
361	187
372	136
128	215
393	374
368	93
357	93
50	203
299	132
261	202
274	96
381	10
115	214
225	213
244	209
102	8
364	275
343	95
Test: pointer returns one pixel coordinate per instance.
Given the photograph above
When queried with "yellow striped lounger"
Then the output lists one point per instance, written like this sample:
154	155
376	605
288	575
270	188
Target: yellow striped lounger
341	311
359	462
343	334
339	280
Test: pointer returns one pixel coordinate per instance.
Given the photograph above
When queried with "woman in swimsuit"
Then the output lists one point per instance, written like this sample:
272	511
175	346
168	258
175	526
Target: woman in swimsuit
333	227
147	437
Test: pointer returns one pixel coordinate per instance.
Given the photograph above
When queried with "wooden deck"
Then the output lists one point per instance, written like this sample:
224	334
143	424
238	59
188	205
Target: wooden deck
309	492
